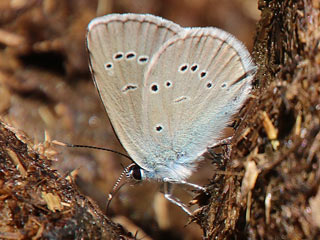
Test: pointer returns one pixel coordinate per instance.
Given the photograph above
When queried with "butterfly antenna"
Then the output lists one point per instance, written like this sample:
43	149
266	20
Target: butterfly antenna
117	185
91	147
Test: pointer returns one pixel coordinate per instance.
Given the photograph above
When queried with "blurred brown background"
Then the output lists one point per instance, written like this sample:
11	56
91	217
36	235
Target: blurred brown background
45	85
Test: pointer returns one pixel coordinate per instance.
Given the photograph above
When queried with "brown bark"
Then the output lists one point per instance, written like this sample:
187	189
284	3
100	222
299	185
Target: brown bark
38	203
284	201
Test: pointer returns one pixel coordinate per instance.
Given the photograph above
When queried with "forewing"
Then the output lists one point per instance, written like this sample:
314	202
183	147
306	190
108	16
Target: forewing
120	47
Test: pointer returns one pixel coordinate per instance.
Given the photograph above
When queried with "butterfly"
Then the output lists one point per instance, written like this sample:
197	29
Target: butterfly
169	91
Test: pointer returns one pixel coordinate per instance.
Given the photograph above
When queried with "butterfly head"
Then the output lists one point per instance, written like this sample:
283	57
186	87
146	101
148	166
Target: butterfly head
133	171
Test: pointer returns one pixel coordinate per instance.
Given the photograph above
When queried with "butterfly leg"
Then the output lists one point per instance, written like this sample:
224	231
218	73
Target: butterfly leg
218	157
195	186
168	195
225	141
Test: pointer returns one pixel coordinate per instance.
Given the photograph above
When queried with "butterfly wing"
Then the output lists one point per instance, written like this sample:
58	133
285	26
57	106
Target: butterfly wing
193	86
120	47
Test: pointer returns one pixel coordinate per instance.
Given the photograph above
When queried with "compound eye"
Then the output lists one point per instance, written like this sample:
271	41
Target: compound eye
135	172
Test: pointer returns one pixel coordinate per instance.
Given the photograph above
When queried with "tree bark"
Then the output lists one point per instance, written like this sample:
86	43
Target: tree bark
281	135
